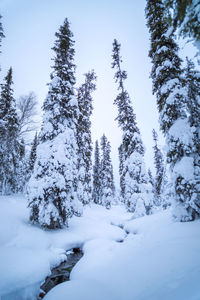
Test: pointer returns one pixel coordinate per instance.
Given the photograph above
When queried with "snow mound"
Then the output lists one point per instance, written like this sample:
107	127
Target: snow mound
151	257
80	289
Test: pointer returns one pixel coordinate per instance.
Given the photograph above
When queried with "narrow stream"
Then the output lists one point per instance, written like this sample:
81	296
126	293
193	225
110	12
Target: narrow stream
61	273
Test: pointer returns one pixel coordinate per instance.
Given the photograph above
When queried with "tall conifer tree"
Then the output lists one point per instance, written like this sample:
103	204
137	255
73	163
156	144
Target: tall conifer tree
84	189
96	191
106	176
151	179
160	177
32	157
135	188
122	177
21	167
192	84
172	101
9	148
53	185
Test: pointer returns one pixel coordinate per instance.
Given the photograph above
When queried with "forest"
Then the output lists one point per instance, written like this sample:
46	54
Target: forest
59	194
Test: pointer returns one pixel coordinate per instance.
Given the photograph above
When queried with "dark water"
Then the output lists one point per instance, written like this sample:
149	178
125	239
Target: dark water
62	272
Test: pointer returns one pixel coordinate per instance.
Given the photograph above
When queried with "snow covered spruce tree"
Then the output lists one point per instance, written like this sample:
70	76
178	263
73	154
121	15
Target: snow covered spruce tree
84	189
9	147
122	174
160	179
96	190
192	84
151	178
106	177
172	103
135	188
21	167
32	157
53	184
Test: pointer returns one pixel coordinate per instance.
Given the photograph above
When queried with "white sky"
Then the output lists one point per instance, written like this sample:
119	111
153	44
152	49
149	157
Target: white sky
30	26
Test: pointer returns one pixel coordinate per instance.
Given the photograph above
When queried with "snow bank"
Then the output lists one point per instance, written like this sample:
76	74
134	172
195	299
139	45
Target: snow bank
28	253
81	289
151	257
159	259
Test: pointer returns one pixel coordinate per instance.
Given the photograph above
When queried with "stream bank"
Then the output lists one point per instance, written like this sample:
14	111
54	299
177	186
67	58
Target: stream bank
61	273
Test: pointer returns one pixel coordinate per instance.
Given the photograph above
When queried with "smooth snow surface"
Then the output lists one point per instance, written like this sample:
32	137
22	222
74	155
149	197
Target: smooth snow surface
152	258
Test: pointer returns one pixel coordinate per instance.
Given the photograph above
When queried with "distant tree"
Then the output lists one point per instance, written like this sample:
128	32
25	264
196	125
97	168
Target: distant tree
84	189
33	154
9	146
172	101
122	174
106	176
27	110
160	178
21	168
53	184
1	33
151	179
133	177
96	191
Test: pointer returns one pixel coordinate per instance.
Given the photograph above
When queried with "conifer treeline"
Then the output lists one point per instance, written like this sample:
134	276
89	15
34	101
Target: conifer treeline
14	168
177	105
58	168
103	180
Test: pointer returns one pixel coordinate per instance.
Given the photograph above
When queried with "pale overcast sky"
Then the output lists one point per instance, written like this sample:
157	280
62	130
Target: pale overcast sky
30	25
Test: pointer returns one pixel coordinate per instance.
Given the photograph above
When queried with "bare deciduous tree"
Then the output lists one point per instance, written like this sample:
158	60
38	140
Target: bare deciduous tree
27	111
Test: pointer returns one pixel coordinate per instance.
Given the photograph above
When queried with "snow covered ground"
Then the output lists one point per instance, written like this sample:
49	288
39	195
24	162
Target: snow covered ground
157	259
